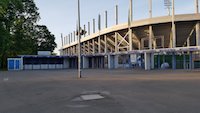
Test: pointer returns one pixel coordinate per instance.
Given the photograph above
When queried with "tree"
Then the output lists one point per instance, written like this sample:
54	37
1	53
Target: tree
46	40
19	32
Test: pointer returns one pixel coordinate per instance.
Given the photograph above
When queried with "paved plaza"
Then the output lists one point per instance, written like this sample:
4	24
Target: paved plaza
100	91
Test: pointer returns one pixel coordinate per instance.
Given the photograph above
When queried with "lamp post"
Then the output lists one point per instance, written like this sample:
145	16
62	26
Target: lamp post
79	33
79	42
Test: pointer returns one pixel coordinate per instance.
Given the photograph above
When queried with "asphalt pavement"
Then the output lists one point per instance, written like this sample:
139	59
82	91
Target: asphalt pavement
100	91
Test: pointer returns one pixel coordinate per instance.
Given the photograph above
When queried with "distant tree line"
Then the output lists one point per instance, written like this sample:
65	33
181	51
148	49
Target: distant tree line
19	32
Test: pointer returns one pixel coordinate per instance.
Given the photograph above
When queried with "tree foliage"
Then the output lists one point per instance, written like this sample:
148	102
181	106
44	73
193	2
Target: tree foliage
19	31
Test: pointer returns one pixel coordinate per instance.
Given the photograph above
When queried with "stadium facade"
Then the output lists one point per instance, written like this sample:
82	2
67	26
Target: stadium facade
149	43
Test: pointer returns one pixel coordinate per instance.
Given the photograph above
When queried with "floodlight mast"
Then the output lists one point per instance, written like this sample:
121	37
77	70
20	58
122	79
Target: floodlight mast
168	5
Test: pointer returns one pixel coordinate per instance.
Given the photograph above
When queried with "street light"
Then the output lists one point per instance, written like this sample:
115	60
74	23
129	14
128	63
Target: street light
79	33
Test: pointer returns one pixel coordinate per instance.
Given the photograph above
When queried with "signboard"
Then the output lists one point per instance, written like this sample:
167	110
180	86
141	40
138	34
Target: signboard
133	58
44	53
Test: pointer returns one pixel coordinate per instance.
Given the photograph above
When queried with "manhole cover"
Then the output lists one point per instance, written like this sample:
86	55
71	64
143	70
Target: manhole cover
91	97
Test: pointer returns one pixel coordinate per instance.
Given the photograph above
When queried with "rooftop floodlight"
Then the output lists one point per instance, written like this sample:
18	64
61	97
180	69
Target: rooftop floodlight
168	5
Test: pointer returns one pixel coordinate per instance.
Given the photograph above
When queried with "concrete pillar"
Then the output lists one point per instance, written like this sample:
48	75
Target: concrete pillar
152	61
85	62
147	60
69	39
88	28
150	8
99	22
93	47
103	62
131	10
74	36
106	19
84	28
150	36
88	44
197	6
184	61
99	44
116	42
110	62
93	62
66	63
198	34
159	65
105	39
188	42
173	26
93	25
173	61
64	41
191	61
130	39
116	15
116	61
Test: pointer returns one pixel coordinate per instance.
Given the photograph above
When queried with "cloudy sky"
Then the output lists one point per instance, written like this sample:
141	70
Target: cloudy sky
60	15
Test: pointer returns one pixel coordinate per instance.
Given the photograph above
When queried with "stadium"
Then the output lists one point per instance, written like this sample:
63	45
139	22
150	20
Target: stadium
171	41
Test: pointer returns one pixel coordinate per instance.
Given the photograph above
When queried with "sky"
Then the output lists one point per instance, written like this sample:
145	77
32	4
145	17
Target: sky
60	16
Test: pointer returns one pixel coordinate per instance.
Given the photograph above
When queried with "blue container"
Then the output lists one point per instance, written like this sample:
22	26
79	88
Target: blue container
14	63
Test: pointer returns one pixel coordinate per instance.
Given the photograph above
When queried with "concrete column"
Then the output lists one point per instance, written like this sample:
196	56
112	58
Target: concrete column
197	6
69	39
64	41
147	59
105	39
88	43
66	63
173	61
74	36
188	42
84	28
150	8
173	26
152	61
110	62
93	62
106	19
84	49
93	47
130	39
159	65
93	25
184	61
116	61
88	28
150	36
85	62
116	42
99	44
116	15
131	10
103	62
99	22
191	61
198	34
